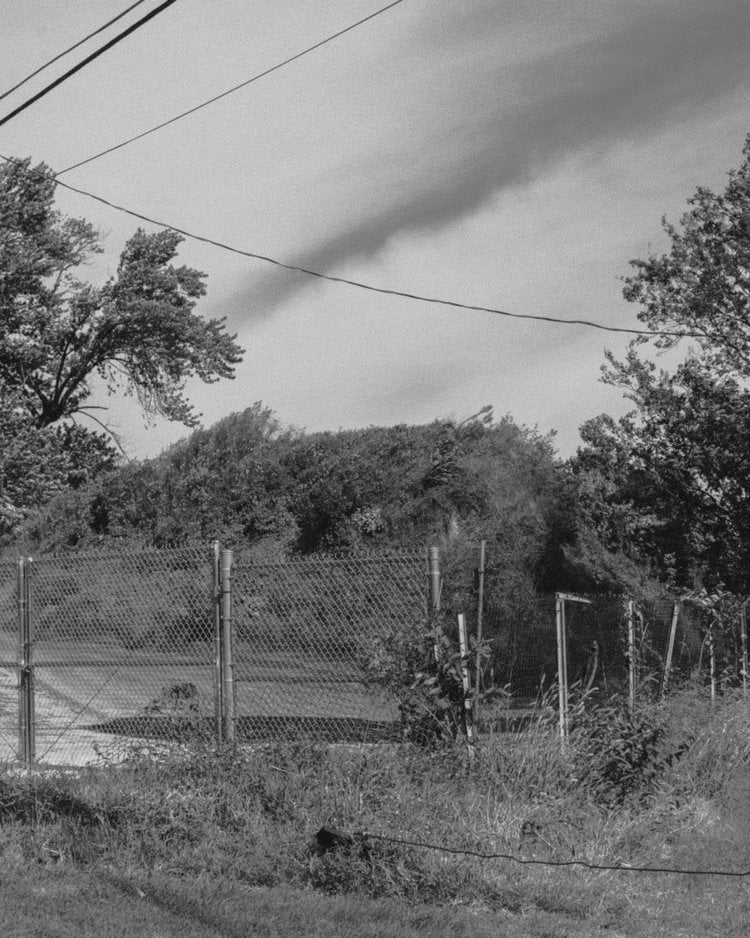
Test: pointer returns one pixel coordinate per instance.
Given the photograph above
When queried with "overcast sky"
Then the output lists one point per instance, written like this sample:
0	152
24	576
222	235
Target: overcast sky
505	153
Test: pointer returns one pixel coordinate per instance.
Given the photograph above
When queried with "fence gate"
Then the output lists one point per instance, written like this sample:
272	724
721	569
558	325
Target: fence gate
98	651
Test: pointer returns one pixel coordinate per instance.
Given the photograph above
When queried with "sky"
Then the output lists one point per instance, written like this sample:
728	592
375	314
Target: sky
515	154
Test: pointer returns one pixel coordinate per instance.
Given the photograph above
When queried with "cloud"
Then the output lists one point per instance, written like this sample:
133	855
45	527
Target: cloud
502	94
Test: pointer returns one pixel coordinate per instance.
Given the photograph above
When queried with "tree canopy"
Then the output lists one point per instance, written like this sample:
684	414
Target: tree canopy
57	333
667	484
138	332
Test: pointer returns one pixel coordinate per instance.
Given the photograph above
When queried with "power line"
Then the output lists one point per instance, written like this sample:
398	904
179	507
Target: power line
90	58
70	49
526	861
455	304
229	91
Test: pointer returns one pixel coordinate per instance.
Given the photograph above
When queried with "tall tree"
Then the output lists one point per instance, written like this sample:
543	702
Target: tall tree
667	483
138	332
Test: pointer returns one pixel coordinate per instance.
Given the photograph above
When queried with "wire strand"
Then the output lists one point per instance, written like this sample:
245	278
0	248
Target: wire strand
89	58
229	91
360	285
70	49
551	863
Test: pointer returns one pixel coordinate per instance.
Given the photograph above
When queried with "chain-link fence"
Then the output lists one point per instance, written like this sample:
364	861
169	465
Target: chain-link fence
8	662
307	635
123	647
100	650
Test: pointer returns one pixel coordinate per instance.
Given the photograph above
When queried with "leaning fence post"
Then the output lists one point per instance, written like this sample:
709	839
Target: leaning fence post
670	651
26	710
227	663
218	679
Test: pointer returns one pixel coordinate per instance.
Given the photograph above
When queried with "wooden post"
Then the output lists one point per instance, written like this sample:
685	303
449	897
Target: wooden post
480	624
218	677
227	662
670	651
26	708
468	716
743	644
630	614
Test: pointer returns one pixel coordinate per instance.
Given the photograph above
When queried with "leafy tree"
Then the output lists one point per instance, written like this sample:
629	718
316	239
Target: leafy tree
138	332
39	463
701	287
666	486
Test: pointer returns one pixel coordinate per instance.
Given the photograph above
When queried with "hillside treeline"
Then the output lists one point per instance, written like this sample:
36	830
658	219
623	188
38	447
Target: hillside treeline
276	491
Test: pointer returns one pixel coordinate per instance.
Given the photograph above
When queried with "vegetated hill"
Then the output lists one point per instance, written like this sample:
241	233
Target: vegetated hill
254	484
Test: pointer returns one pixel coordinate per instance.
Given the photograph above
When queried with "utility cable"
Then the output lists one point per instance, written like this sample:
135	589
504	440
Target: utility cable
344	280
229	91
523	860
71	49
89	58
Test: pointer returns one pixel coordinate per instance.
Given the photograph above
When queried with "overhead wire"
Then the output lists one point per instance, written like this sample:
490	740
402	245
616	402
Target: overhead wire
89	58
224	94
360	285
70	49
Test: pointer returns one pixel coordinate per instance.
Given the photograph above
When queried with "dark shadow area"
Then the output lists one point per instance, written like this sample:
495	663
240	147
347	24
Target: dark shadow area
256	728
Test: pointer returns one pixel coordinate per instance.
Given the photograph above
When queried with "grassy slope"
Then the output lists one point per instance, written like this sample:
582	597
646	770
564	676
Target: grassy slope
206	845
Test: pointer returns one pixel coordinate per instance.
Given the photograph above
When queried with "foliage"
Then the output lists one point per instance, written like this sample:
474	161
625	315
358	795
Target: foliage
422	669
249	818
138	331
621	755
58	334
702	286
37	463
665	485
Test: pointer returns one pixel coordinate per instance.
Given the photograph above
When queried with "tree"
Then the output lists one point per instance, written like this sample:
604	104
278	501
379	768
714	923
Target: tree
138	332
702	286
665	486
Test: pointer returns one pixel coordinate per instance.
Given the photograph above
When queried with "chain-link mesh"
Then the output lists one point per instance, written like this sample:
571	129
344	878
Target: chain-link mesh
8	662
597	646
704	647
307	638
123	648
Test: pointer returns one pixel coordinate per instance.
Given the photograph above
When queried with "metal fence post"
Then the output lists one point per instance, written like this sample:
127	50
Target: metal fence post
227	658
434	583
743	645
26	710
480	624
218	677
630	614
468	715
562	666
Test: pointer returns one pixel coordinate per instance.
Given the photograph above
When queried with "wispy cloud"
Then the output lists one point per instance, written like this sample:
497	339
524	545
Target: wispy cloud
505	95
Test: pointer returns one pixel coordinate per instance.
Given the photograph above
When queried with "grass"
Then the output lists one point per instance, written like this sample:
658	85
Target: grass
203	842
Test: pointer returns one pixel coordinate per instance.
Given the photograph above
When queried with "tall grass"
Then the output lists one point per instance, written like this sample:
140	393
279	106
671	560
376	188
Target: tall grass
622	791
